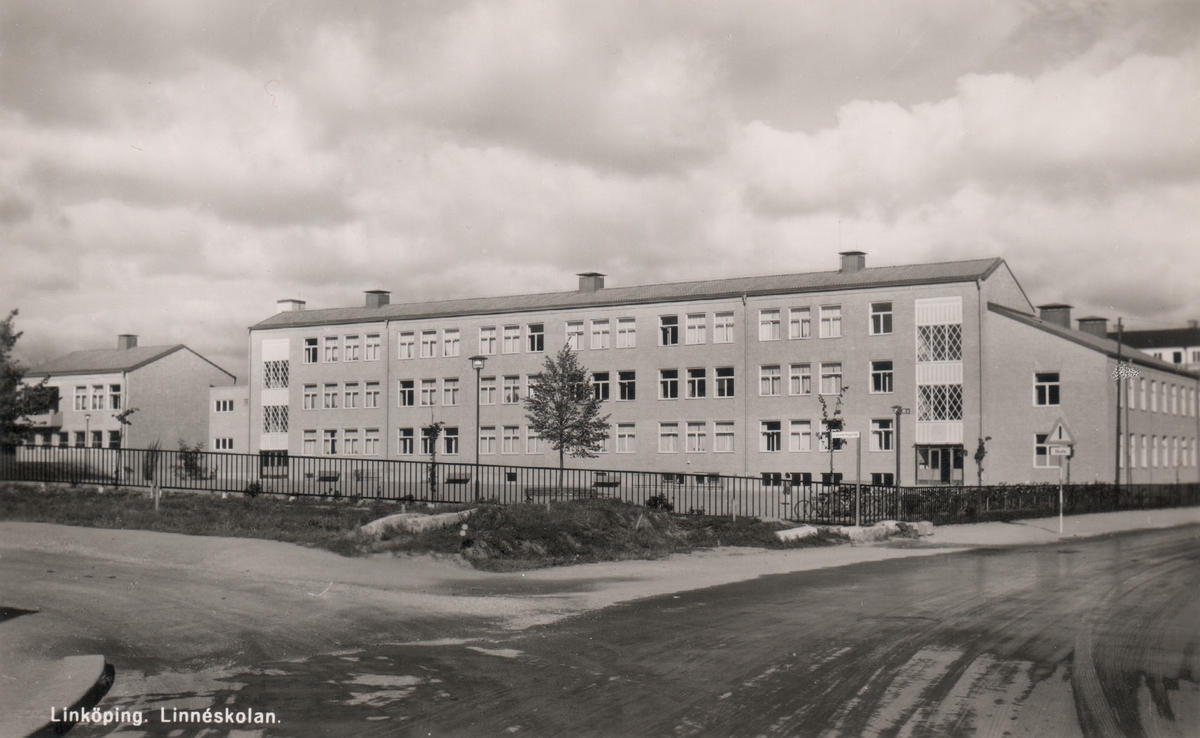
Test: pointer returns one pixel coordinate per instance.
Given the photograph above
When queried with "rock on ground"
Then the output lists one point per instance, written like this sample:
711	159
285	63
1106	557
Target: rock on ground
415	522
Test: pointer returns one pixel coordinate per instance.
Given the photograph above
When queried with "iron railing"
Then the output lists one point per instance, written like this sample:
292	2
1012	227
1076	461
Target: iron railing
770	496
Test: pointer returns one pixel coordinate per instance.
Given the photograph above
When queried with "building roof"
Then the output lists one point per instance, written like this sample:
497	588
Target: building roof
1097	343
103	361
1161	338
888	276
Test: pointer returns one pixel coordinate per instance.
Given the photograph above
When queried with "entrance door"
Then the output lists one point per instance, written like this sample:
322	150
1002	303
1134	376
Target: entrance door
940	464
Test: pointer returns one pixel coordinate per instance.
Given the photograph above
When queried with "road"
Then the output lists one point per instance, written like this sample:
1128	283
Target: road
1085	637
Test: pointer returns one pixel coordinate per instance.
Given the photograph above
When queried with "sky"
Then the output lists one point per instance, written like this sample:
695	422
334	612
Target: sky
173	169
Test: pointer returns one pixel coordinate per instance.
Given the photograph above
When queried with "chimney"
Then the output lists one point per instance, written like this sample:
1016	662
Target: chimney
287	306
126	341
591	281
378	298
1094	325
1056	313
852	261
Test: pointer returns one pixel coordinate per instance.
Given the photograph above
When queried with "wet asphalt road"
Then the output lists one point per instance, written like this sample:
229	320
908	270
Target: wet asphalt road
1094	637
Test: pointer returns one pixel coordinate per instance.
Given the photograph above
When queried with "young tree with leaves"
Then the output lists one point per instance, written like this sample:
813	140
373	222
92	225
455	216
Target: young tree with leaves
833	423
17	400
563	410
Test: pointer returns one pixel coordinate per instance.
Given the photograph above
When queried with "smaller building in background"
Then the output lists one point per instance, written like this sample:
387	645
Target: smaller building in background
1178	346
229	419
160	392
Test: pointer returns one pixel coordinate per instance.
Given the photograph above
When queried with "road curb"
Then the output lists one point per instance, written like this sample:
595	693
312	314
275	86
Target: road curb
36	702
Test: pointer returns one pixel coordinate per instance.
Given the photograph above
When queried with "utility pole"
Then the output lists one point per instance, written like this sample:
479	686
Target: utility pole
1120	381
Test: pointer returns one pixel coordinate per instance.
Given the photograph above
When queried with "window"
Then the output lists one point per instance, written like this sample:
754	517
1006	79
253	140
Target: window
1041	452
600	385
575	335
219	444
428	392
668	438
371	396
330	397
98	397
626	438
350	348
626	386
881	435
533	442
226	406
487	391
310	397
697	438
831	321
600	334
801	436
881	377
697	327
275	374
772	479
275	419
1142	394
939	342
404	441
939	402
81	395
800	323
450	441
310	443
97	439
372	349
450	391
668	384
487	441
800	379
450	342
1045	388
881	318
770	382
114	398
535	337
487	341
310	354
427	441
626	333
770	436
406	345
723	328
1154	451
1174	400
831	379
80	439
371	442
512	339
351	395
405	393
668	327
350	442
768	325
114	440
882	479
725	381
723	437
511	440
64	440
512	390
331	349
330	444
696	384
825	437
428	344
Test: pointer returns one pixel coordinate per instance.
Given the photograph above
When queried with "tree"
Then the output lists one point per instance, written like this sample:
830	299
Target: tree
833	424
431	433
980	455
563	410
17	400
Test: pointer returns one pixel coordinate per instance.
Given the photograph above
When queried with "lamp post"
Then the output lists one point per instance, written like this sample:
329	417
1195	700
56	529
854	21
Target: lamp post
87	430
477	363
898	410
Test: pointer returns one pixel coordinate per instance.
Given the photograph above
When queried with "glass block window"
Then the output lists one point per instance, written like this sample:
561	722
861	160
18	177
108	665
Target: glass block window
275	374
939	402
275	419
939	343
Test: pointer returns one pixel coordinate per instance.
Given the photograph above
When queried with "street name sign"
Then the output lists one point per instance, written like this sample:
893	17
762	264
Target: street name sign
1060	450
845	434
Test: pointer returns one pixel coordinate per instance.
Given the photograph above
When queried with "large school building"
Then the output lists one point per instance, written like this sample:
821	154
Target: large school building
727	376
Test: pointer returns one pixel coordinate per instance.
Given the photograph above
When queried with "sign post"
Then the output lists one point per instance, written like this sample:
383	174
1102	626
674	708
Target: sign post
1063	452
857	472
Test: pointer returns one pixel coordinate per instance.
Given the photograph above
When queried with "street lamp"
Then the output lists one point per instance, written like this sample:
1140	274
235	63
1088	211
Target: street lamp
87	430
898	410
477	363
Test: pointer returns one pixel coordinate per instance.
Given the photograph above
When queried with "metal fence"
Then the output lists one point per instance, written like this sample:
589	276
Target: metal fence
770	496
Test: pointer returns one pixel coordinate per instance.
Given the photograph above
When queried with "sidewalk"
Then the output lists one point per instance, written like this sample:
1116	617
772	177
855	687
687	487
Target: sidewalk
34	695
1045	530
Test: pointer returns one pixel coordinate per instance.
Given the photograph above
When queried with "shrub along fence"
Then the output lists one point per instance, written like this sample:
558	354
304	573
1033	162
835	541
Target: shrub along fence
770	496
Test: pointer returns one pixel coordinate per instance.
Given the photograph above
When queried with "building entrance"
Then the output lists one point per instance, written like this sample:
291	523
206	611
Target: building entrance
940	464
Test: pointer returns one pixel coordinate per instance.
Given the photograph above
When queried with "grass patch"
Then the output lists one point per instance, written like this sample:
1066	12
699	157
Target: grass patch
502	538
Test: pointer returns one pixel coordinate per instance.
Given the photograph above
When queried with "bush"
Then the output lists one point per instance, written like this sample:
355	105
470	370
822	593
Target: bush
659	502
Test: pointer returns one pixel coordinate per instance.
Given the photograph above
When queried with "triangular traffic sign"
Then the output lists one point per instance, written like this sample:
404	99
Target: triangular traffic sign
1060	434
